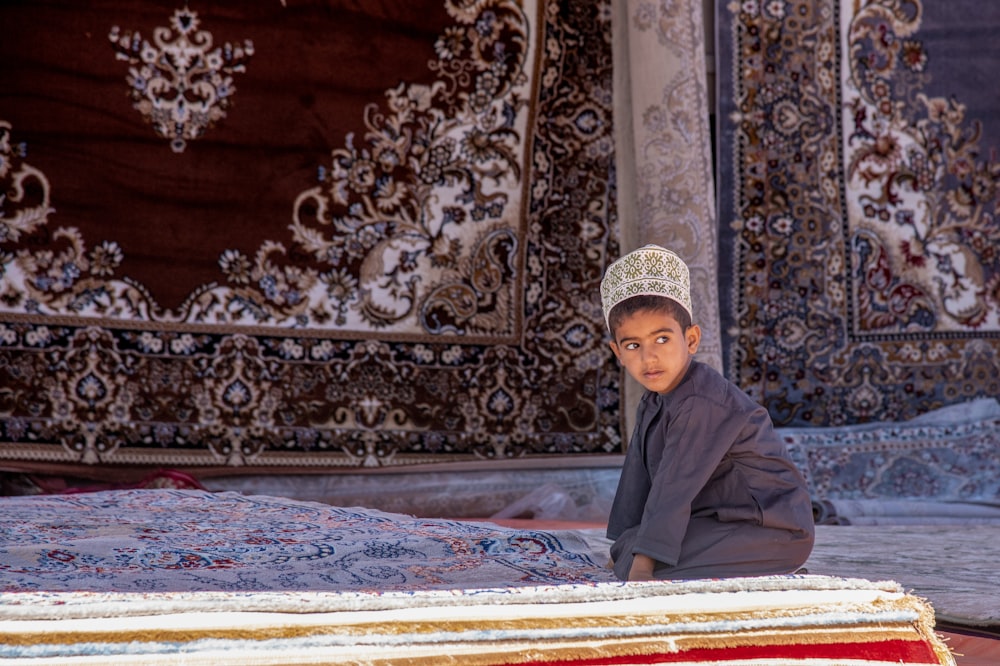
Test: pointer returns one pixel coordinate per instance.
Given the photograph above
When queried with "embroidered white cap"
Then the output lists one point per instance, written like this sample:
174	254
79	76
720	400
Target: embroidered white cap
650	270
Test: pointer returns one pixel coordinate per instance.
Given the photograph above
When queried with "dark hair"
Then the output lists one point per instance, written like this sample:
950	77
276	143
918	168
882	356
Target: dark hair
647	303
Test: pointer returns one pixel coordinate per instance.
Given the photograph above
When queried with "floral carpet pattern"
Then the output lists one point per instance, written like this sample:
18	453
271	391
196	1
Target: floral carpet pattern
177	540
859	211
243	255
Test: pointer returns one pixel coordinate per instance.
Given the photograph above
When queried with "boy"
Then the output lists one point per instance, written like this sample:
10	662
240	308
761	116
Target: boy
707	489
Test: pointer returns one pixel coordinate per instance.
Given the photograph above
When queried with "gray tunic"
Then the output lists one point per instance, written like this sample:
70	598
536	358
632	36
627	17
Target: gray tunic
707	488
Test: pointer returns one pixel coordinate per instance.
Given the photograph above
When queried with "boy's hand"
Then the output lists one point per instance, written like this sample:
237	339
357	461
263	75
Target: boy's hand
642	567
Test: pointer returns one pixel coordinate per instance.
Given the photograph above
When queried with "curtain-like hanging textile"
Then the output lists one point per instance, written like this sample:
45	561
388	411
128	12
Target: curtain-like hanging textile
666	183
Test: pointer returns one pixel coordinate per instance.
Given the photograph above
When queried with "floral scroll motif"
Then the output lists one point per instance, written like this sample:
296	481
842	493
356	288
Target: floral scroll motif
414	226
66	273
921	175
24	198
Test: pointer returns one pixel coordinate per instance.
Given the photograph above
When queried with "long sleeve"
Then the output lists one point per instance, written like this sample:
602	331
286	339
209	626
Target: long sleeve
635	481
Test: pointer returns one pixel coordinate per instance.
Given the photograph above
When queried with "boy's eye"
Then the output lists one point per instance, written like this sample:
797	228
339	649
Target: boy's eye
632	346
662	339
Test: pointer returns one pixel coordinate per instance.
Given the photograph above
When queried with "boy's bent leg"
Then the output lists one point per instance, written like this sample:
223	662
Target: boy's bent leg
712	549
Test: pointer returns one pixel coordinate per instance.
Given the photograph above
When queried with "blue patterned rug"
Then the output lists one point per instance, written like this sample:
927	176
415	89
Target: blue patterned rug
184	540
947	455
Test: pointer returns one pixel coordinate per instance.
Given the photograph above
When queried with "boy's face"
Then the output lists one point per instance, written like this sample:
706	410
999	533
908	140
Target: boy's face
654	349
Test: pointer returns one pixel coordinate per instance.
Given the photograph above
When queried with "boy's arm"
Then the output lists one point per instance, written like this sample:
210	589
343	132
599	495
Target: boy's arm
642	567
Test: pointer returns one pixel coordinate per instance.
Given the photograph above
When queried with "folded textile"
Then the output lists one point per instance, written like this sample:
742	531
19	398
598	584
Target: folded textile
837	511
782	619
948	455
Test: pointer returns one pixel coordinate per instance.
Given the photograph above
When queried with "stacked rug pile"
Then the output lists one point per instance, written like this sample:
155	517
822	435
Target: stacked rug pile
165	576
738	621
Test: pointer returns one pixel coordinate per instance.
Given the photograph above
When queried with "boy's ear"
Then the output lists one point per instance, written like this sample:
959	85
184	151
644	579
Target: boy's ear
614	348
693	337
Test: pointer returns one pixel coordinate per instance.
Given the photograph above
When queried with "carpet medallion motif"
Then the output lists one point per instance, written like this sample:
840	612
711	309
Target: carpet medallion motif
862	225
425	292
179	83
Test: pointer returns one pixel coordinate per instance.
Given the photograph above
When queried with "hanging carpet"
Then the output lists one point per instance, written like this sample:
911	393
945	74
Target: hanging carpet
305	234
859	205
